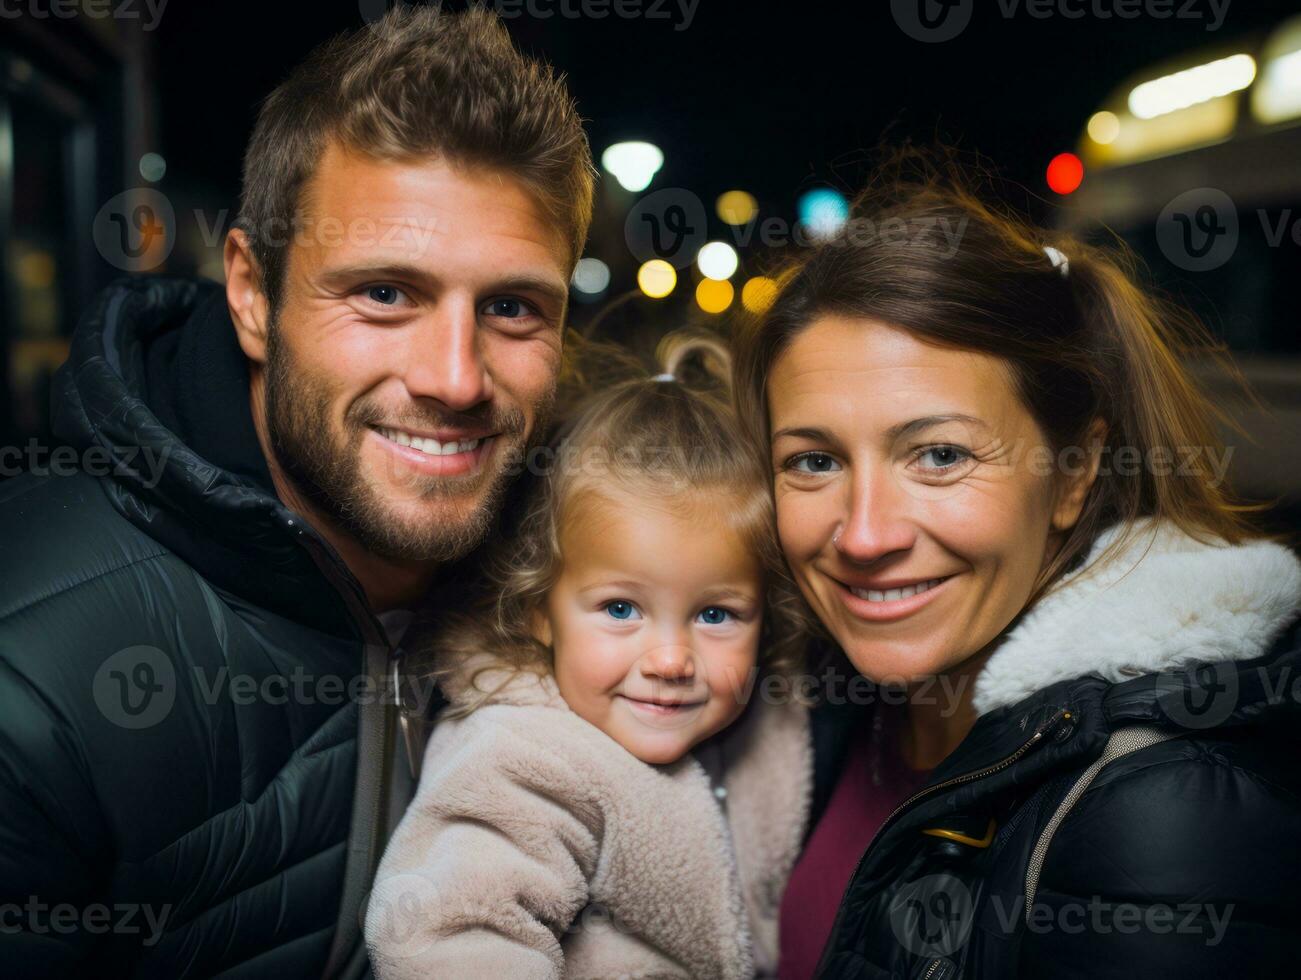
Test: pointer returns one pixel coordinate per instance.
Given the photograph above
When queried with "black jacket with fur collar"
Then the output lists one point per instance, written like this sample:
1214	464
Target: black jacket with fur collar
1178	860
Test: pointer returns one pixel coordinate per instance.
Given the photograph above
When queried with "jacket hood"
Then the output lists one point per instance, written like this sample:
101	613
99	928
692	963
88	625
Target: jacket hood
1162	603
155	378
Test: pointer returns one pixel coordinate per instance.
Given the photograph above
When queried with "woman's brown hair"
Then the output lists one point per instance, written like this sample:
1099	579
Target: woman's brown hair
925	252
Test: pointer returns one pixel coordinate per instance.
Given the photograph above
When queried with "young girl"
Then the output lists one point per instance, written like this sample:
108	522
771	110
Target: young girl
603	797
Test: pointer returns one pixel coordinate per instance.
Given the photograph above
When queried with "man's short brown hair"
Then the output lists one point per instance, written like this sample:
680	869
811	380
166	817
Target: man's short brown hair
418	82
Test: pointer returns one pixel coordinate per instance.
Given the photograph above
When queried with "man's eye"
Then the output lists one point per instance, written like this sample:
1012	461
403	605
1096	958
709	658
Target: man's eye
384	295
508	308
620	609
812	462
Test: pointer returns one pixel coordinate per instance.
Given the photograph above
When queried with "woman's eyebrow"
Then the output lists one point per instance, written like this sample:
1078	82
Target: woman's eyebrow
896	431
926	421
804	432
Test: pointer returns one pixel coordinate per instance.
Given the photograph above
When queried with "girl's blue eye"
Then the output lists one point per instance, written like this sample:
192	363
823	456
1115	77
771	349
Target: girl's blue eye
817	463
715	615
943	457
384	295
620	609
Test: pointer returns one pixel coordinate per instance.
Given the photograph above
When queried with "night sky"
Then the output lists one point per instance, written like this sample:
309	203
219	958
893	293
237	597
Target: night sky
770	97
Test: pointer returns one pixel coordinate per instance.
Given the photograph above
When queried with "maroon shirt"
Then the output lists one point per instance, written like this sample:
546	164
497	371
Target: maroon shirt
874	781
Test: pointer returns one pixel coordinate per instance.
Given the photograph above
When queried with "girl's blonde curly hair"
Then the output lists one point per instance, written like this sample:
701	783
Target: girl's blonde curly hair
623	428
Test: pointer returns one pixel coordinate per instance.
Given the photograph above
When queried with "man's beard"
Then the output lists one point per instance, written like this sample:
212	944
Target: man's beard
329	475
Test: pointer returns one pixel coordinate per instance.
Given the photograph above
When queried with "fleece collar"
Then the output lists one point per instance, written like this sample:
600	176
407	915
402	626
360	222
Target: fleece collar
1162	602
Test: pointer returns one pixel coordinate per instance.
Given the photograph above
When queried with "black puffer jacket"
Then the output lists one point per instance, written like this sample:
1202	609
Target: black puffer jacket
177	744
1178	860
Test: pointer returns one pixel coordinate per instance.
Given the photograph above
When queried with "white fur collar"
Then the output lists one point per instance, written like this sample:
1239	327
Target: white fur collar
1165	600
465	680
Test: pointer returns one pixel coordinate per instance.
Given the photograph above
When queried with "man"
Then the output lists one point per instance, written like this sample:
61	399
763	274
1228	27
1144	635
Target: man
199	754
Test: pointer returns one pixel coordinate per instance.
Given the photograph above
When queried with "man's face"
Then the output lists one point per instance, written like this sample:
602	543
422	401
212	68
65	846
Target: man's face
415	350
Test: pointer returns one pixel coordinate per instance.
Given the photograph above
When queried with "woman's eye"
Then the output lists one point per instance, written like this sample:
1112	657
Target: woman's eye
942	457
620	609
508	308
384	295
811	463
715	615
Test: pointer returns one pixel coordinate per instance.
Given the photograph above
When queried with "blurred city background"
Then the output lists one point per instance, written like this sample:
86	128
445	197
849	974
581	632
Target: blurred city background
725	132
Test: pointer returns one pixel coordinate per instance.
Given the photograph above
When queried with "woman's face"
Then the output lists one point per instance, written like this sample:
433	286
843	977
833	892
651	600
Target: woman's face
916	498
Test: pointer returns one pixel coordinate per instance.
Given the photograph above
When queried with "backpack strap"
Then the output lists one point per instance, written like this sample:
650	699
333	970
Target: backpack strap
1122	742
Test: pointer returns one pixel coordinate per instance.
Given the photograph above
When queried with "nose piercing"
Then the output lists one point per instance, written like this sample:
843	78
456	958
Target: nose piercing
835	538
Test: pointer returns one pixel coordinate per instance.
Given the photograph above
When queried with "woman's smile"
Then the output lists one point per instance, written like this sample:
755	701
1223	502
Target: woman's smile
889	602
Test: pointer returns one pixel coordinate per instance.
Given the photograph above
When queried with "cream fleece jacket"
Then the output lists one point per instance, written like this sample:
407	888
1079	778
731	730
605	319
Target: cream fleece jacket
538	847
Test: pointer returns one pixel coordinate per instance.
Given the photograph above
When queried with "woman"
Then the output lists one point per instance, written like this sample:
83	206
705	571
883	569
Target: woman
1002	496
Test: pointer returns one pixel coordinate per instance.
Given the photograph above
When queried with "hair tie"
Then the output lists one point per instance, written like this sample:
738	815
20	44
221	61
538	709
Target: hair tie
665	377
1059	260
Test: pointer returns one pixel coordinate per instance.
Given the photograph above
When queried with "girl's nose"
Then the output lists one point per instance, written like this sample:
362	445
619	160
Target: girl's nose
670	662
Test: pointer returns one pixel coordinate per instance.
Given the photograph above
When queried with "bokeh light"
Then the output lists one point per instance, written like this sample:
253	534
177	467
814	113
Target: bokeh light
1065	173
736	207
717	260
823	212
591	276
758	294
714	295
657	278
1104	127
633	164
152	167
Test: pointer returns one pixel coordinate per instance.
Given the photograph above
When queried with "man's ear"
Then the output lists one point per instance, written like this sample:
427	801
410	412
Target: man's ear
1075	487
249	309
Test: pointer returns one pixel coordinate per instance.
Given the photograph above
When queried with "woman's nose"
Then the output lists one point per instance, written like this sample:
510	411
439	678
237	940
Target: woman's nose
876	522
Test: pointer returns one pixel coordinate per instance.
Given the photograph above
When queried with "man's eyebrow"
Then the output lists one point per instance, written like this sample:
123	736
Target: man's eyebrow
346	274
552	289
910	427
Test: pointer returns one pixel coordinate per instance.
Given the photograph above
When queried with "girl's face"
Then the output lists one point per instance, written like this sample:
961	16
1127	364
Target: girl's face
917	499
654	621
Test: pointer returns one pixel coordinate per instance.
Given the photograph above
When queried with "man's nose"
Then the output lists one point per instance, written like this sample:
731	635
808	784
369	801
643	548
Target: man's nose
444	359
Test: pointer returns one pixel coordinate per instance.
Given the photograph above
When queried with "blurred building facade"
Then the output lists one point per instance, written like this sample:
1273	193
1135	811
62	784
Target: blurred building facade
77	113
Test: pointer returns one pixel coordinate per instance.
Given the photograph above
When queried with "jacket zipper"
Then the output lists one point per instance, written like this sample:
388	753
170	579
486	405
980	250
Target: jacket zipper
965	777
371	633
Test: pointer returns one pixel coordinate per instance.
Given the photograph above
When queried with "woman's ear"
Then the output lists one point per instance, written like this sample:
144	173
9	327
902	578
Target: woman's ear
1075	486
